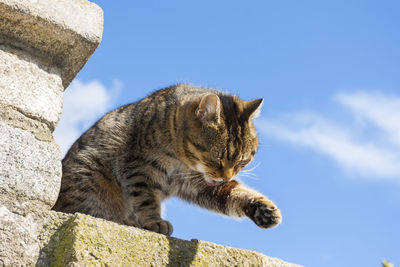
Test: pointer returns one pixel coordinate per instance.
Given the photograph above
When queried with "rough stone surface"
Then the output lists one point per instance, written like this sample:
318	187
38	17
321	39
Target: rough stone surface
86	241
28	167
25	227
19	244
67	30
30	85
17	119
38	237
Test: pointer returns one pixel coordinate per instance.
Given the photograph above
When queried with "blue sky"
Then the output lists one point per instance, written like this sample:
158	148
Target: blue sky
330	127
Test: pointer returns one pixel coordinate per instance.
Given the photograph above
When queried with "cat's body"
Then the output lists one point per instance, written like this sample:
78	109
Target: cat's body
182	141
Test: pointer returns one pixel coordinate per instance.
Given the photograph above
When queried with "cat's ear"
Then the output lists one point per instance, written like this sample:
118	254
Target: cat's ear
252	108
209	109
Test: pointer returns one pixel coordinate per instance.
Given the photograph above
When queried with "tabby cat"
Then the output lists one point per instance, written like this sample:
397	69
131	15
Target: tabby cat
183	141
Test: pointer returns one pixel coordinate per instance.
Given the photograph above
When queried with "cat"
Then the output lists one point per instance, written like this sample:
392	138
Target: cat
182	140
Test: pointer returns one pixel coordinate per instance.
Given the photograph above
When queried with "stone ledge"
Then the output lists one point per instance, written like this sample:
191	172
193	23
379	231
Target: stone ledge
67	30
82	240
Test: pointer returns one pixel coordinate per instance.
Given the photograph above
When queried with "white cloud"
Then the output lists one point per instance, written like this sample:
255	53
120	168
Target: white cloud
381	110
370	149
84	103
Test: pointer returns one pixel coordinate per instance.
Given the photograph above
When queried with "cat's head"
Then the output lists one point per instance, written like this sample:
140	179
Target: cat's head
219	137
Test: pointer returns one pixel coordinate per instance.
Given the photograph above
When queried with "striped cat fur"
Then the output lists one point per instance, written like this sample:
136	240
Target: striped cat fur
182	140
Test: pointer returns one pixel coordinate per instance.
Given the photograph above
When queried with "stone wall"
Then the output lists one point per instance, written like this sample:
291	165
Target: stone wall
43	45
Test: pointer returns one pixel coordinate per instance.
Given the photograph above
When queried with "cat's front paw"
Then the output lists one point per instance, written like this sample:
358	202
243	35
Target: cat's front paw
162	227
264	213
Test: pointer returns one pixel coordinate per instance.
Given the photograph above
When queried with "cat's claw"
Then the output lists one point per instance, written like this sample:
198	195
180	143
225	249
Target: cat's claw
162	227
264	213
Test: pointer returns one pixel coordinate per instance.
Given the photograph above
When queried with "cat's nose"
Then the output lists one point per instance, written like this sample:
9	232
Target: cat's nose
227	174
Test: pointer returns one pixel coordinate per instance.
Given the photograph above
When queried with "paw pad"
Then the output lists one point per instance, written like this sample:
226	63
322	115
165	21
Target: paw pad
263	214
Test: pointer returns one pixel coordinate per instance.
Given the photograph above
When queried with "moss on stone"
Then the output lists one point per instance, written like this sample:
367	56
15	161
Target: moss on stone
86	241
56	239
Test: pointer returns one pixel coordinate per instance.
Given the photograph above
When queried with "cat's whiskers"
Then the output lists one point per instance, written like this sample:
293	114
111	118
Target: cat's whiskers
243	177
248	173
253	168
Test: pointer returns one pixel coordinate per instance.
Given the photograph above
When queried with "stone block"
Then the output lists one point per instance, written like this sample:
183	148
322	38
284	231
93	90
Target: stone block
30	85
66	32
17	119
28	167
19	244
86	241
25	228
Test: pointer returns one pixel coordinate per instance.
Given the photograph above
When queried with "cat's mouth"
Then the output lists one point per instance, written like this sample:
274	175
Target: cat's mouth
211	182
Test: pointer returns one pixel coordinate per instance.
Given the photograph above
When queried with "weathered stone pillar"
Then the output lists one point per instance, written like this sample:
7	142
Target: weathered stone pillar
43	45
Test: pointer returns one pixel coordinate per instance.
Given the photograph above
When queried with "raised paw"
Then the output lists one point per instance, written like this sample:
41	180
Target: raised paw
264	213
162	227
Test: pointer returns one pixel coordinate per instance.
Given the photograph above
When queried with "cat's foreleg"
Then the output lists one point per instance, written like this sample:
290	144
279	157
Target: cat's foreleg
236	200
144	200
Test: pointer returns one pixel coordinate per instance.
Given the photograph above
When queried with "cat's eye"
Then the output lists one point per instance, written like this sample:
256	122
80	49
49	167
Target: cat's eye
243	163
